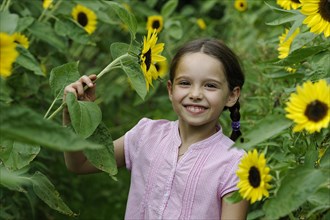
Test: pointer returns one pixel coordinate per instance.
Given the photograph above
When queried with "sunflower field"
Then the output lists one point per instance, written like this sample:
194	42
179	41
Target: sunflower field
284	48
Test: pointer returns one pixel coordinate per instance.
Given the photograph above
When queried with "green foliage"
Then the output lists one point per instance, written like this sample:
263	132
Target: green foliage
34	180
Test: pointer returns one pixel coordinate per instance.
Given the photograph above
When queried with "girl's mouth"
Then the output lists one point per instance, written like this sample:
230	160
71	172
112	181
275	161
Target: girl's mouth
195	109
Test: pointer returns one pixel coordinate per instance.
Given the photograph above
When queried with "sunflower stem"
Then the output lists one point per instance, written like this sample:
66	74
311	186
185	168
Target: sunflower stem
112	64
50	107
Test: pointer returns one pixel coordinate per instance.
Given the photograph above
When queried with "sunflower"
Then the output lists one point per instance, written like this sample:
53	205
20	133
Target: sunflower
318	15
21	39
8	54
162	68
309	108
288	4
253	176
155	22
150	55
284	46
201	23
47	4
240	5
85	17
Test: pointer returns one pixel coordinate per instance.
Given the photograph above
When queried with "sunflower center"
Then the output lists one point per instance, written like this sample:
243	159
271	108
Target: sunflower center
254	177
316	110
147	61
82	19
324	7
155	24
157	66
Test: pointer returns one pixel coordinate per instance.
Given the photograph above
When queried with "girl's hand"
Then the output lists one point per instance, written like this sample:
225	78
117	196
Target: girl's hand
79	90
83	94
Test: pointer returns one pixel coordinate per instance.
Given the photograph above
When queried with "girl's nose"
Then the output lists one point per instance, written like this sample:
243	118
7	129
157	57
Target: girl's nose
195	93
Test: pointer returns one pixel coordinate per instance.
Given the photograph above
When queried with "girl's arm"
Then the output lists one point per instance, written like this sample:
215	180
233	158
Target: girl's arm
235	211
76	161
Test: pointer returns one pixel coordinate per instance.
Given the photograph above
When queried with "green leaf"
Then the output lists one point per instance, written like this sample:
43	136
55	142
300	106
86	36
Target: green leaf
103	158
46	33
234	198
117	49
13	180
21	124
8	22
27	60
23	23
46	191
284	19
302	39
301	55
174	29
297	23
125	16
16	155
168	8
136	77
266	128
85	116
320	197
4	91
61	76
66	27
297	186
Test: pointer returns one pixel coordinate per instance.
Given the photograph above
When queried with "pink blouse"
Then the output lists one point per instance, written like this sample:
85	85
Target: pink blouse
163	187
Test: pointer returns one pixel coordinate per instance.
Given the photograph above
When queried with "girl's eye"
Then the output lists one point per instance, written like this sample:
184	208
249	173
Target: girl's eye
184	83
210	85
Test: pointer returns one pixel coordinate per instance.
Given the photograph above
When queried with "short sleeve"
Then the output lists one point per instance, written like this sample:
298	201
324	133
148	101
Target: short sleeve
231	179
132	141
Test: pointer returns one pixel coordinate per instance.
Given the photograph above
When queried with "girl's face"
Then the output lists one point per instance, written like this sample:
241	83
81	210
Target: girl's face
200	91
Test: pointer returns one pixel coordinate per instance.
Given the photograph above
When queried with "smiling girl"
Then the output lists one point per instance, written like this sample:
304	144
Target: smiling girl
181	169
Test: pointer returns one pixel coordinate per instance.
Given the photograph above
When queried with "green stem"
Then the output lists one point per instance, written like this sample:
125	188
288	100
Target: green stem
112	65
50	107
3	5
59	109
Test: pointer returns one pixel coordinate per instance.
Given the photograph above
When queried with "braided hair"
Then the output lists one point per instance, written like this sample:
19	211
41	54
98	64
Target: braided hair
232	69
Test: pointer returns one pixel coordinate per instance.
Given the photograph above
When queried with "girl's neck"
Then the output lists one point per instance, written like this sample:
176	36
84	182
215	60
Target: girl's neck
192	134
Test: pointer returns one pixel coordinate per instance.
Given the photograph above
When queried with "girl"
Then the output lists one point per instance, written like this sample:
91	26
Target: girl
181	169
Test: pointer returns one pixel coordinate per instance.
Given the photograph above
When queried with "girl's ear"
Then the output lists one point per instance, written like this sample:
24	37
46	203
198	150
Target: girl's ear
233	96
169	89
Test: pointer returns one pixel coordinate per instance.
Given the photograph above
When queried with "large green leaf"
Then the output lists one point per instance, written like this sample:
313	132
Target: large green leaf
16	155
85	116
61	76
136	77
27	60
103	158
125	16
45	32
268	127
8	22
21	124
297	186
46	191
